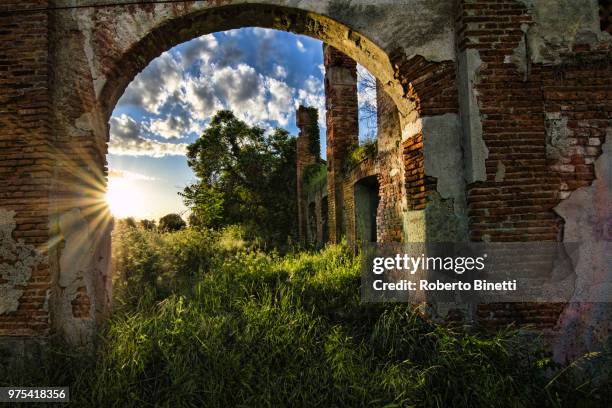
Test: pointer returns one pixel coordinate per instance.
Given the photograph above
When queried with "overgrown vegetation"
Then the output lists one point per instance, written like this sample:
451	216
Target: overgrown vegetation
314	133
315	175
366	150
206	319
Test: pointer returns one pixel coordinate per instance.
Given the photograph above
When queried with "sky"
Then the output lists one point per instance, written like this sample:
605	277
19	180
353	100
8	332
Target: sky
262	75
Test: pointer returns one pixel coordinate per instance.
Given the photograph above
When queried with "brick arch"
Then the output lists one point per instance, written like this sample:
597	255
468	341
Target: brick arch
119	68
115	48
63	96
411	87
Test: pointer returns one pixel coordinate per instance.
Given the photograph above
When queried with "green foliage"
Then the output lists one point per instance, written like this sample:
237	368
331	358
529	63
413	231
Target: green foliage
244	177
315	174
171	222
128	222
367	150
255	329
314	134
148	224
206	204
151	265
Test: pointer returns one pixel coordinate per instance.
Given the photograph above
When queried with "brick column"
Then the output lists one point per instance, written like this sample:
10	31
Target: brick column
342	128
26	172
305	156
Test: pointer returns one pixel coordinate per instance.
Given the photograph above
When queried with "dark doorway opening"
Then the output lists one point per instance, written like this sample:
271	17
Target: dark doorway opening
366	206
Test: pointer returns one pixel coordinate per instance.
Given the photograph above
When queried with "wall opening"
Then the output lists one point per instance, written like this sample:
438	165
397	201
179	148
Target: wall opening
116	64
312	223
368	111
367	197
324	219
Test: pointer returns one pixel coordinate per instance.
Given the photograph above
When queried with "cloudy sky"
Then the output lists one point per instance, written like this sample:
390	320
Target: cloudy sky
262	75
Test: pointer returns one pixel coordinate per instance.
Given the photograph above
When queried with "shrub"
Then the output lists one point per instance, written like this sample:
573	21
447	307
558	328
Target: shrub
171	222
367	150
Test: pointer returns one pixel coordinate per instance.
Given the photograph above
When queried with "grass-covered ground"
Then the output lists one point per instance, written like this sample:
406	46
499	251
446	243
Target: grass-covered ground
203	319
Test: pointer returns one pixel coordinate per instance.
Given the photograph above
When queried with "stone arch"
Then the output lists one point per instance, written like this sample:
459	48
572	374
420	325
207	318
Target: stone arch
95	52
183	27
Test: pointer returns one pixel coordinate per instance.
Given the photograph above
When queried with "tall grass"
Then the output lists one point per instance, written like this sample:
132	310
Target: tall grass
205	320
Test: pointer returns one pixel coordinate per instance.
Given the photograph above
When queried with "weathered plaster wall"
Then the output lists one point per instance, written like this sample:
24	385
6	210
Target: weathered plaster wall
553	33
446	214
586	323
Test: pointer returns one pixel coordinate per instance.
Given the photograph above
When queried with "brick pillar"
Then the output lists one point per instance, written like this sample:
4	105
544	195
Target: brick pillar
342	128
305	156
26	171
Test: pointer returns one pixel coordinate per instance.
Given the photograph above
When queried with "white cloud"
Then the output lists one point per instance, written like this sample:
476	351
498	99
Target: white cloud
264	32
313	85
126	139
180	100
232	33
201	48
242	90
128	175
172	126
200	97
300	46
280	71
280	101
155	84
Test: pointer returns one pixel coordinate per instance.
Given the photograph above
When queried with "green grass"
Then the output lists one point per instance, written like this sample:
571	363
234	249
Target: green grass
202	319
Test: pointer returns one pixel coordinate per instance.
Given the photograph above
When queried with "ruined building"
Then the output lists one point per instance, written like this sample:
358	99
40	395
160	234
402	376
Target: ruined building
354	194
495	125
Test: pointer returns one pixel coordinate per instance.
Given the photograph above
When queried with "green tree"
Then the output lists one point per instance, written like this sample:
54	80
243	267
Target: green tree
245	176
206	204
147	224
171	222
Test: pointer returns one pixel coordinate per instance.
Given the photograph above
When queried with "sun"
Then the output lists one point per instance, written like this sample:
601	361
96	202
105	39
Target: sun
123	198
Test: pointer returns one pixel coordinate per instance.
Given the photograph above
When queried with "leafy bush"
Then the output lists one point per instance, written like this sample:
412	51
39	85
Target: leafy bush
367	150
256	329
315	175
171	222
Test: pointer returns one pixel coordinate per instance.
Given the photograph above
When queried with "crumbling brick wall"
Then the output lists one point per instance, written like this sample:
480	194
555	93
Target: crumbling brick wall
25	169
342	128
516	104
543	119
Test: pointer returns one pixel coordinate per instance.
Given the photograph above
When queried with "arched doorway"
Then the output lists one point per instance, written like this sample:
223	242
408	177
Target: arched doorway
101	50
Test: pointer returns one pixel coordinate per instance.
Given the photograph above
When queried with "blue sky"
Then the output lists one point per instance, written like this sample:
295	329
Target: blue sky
262	75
